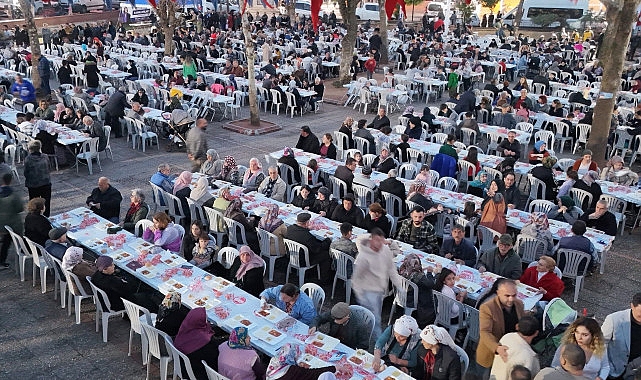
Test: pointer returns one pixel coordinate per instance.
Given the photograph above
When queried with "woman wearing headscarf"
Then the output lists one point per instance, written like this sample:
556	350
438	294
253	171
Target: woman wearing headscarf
253	176
247	271
137	211
271	222
285	366
539	228
234	211
213	164
47	139
224	199
546	174
397	345
585	163
229	171
324	205
493	208
437	356
72	261
288	158
409	112
412	270
384	162
414	128
617	173
237	359
182	190
58	112
480	184
565	210
417	195
200	193
171	314
538	152
197	340
588	183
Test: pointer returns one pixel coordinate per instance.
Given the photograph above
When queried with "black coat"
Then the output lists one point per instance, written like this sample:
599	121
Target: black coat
115	287
291	161
393	186
298	201
116	104
252	281
348	131
91	72
318	249
383	223
447	364
109	202
353	216
36	228
547	176
344	173
64	75
308	144
385	166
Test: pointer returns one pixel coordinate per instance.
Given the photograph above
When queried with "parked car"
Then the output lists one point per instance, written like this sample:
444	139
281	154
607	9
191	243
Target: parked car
368	11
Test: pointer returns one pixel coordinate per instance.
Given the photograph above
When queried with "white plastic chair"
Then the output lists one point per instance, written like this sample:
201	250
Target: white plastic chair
582	198
443	305
400	298
78	292
175	207
536	187
10	159
141	226
582	132
487	236
343	260
573	259
617	207
364	196
212	374
294	250
472	324
236	231
292	104
22	252
39	262
103	311
529	248
540	205
393	205
89	152
227	255
196	211
144	135
339	187
60	280
316	293
407	171
136	313
448	183
154	336
265	239
180	361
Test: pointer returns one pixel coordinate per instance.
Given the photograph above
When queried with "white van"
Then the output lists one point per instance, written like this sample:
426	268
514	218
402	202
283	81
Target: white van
434	8
570	10
83	6
368	11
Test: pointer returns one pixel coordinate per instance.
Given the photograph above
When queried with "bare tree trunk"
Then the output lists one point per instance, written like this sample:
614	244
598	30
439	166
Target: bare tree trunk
383	27
348	14
250	51
34	41
291	7
518	17
620	16
166	11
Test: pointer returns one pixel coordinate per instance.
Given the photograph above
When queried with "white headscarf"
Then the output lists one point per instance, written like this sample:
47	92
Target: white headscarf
433	334
200	192
406	326
327	376
72	257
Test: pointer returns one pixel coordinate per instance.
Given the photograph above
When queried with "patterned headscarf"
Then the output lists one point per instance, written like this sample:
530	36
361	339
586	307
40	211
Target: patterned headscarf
72	257
270	221
411	264
234	207
287	356
287	151
238	339
171	302
183	180
230	162
540	222
254	262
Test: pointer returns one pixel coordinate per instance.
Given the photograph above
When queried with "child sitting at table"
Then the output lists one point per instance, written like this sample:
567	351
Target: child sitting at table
203	251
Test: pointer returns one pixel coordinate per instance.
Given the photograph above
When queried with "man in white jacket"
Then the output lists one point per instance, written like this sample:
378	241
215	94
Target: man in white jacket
373	269
519	351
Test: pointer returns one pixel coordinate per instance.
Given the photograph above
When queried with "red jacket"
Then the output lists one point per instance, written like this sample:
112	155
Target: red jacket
370	65
577	164
550	282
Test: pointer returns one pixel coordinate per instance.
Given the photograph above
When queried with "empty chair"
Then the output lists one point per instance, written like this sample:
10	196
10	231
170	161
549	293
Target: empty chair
22	252
487	236
135	314
216	223
227	255
472	324
77	292
400	298
572	260
89	152
295	250
103	309
60	279
364	196
316	293
529	248
39	262
393	205
540	205
407	171
156	339
236	231
343	263
448	183
582	132
582	198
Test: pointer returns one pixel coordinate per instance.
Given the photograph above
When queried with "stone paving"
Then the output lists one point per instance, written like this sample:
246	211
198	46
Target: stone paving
38	339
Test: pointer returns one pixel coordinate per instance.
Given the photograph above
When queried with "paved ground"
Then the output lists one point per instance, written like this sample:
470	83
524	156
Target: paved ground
39	340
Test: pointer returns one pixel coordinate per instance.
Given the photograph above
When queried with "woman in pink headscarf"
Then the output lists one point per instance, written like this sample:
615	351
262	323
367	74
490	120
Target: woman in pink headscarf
182	191
247	271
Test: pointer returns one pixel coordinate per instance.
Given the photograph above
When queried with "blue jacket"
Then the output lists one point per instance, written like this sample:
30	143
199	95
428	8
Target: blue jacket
26	90
303	309
616	332
445	165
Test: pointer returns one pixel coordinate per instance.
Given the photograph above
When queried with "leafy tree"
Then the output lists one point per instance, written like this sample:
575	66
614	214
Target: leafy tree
489	3
413	3
465	10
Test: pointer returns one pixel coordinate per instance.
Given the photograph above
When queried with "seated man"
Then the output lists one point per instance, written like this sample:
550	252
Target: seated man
601	219
363	178
308	141
418	232
289	299
502	260
512	193
344	324
346	245
577	242
163	178
318	249
57	244
105	200
393	186
135	112
346	173
458	248
273	186
510	147
380	120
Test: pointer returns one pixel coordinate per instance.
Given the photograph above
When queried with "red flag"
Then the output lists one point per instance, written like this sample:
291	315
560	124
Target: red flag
402	4
152	3
242	10
315	9
389	8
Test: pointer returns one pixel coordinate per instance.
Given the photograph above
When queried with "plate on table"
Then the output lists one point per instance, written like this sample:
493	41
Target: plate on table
528	291
362	358
172	284
173	260
322	341
147	272
269	334
95	243
220	284
313	361
272	314
207	302
121	256
393	373
468	286
239	321
142	245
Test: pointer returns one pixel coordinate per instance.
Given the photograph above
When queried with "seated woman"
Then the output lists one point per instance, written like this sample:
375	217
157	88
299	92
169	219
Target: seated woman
213	164
572	177
412	270
542	277
358	156
163	233
304	199
47	139
538	152
587	334
200	193
138	210
190	240
565	210
546	174
222	202
288	158
72	261
36	225
417	195
556	109
234	211
271	222
479	186
327	148
196	338
182	190
494	208
323	204
68	117
285	366
617	173
237	359
171	314
472	158
414	128
424	176
247	272
437	356
253	176
203	251
445	284
589	184
229	171
384	162
429	118
585	163
397	345
377	218
539	228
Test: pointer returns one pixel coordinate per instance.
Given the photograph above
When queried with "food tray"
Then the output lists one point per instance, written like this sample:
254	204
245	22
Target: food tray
469	286
322	341
172	284
269	334
147	272
313	361
240	321
220	284
362	358
272	314
141	245
527	291
173	260
393	373
121	256
207	302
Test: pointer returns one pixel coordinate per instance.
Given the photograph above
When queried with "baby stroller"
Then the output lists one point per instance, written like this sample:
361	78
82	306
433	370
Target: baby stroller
179	124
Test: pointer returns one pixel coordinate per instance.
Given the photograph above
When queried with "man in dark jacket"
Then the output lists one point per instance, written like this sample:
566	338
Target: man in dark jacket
458	248
393	186
380	120
105	200
115	109
512	193
502	260
601	219
348	212
308	141
318	249
492	87
466	102
345	324
367	135
346	173
510	147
